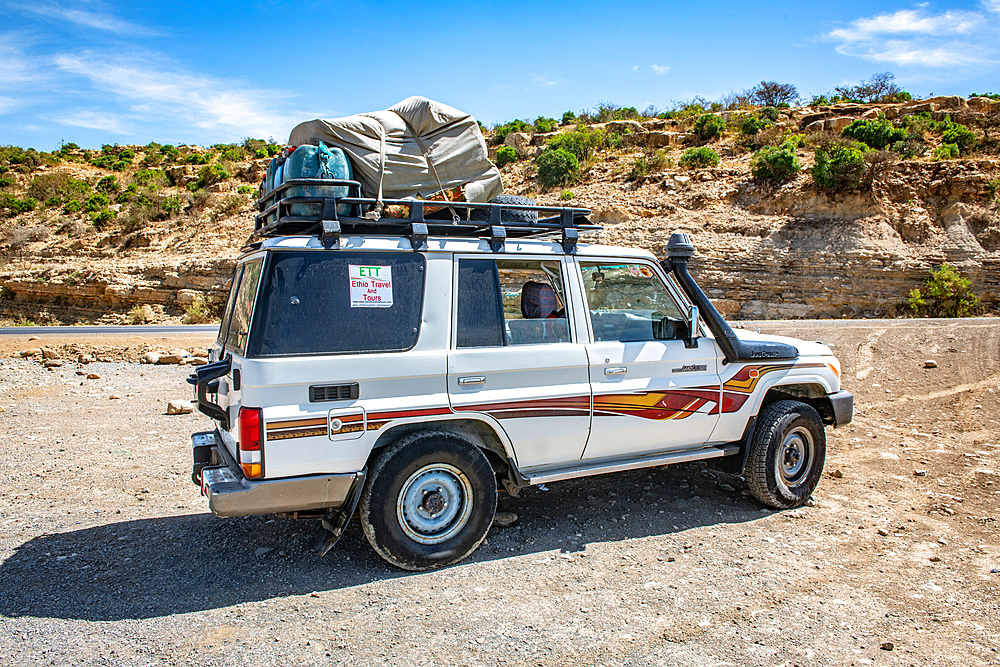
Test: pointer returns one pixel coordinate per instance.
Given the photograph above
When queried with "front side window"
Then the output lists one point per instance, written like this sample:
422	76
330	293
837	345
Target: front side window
316	302
510	302
629	302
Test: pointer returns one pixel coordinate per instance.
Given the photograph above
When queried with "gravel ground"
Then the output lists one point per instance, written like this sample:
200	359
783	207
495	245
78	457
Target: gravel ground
109	556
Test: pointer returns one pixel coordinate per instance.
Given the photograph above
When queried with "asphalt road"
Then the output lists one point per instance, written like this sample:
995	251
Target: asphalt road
111	330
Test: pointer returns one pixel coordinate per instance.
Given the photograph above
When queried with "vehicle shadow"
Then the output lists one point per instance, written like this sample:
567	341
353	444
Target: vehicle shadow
157	567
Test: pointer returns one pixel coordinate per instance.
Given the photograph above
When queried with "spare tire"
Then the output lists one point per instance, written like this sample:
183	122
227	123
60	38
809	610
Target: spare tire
508	215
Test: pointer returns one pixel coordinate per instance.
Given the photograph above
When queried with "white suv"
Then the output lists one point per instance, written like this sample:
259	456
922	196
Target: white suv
408	368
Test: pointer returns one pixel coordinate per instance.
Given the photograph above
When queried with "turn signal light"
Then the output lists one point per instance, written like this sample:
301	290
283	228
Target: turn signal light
251	424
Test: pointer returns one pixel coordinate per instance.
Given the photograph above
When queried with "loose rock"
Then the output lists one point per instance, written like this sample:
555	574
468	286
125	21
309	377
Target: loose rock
151	358
179	407
49	353
930	363
93	376
504	519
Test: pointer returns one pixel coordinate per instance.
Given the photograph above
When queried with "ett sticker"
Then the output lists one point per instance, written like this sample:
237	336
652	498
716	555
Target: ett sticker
371	286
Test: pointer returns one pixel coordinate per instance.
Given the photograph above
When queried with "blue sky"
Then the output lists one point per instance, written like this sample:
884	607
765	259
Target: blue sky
96	72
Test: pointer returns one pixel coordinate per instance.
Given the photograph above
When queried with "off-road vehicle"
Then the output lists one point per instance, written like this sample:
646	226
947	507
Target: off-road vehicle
410	368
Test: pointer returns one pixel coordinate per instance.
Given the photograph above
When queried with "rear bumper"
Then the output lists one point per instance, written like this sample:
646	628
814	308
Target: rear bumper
843	408
231	494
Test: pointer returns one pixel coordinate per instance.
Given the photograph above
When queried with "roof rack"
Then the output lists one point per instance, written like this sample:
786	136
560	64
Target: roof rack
331	216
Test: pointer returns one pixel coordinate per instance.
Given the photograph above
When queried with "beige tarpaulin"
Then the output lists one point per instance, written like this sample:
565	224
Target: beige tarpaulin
418	147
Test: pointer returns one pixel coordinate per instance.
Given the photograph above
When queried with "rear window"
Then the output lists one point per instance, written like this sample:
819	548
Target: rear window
337	303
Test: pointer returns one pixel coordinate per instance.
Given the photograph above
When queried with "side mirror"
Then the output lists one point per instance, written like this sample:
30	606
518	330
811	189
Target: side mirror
694	322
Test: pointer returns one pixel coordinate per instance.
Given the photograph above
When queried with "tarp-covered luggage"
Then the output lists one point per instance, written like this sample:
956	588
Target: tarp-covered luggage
308	161
417	148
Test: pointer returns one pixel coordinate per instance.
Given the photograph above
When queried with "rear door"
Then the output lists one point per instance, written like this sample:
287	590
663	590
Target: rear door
516	359
651	392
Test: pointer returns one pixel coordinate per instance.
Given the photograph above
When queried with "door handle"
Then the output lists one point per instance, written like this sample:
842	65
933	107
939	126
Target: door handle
616	370
471	379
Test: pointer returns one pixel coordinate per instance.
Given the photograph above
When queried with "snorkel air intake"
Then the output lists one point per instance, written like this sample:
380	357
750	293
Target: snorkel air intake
679	250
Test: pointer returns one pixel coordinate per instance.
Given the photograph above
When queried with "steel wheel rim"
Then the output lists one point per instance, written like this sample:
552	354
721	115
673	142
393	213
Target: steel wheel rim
795	455
434	503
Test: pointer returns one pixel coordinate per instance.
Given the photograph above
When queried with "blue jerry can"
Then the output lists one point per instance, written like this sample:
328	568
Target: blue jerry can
316	162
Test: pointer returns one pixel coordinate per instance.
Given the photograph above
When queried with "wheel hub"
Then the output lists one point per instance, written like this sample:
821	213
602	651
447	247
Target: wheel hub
435	503
796	455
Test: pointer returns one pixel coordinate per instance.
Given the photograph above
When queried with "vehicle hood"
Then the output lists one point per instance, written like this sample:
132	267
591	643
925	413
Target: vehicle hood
806	348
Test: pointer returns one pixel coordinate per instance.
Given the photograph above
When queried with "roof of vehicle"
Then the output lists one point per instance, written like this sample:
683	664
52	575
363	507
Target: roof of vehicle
448	245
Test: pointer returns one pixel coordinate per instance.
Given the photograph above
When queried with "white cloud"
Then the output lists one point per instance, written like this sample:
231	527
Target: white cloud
16	68
96	120
542	82
661	69
909	21
152	91
635	68
87	19
913	37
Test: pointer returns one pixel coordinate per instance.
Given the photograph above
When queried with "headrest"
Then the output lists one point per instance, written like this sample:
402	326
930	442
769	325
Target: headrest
538	300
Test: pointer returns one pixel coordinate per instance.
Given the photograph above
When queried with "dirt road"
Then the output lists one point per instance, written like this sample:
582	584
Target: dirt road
109	556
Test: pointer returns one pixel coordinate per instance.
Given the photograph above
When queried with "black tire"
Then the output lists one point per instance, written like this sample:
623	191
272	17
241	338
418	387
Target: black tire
508	215
436	467
787	454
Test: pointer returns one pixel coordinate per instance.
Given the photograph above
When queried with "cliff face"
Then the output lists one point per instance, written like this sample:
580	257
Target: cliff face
788	251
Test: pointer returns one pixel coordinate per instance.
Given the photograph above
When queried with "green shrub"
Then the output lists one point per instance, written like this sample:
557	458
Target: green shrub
769	114
568	118
775	164
149	177
992	96
544	125
210	174
197	313
557	166
102	217
198	158
96	203
4	169
839	167
751	125
946	293
994	189
583	141
874	133
72	207
702	156
11	205
506	155
945	152
647	164
53	201
500	132
6	181
107	185
709	126
958	135
566	195
909	149
245	189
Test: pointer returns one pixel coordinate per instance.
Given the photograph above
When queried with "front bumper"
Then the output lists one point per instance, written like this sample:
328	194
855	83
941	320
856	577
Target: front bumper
843	407
229	493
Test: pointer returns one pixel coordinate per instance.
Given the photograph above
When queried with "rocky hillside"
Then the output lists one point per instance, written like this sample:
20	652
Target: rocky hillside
150	233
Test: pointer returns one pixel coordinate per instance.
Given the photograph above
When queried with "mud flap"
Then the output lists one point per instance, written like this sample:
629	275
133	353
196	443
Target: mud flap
334	523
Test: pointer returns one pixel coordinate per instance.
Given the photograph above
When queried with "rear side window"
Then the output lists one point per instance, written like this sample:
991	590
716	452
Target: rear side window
239	318
338	302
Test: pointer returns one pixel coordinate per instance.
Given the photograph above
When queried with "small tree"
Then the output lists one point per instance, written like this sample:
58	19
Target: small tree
772	93
946	293
709	126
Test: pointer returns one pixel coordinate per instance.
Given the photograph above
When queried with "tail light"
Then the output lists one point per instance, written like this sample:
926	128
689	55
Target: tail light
251	443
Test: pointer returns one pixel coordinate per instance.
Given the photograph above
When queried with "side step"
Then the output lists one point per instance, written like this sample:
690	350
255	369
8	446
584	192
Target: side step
598	467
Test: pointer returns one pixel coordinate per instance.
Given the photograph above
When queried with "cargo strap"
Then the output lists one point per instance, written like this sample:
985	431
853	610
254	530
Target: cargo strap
455	218
377	212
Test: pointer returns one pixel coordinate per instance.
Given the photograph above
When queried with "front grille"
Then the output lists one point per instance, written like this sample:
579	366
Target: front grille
333	392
